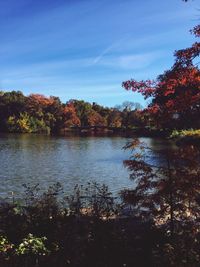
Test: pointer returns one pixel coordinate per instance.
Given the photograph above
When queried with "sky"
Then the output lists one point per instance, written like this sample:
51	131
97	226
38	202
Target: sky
85	49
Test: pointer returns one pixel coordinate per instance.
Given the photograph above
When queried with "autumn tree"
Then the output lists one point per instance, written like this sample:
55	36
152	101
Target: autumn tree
95	119
48	110
37	103
187	56
167	190
176	93
70	117
114	118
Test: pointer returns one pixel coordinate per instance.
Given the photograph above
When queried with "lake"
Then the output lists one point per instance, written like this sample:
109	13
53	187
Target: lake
26	158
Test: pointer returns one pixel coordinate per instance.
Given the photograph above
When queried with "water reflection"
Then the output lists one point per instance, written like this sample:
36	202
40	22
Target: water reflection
69	160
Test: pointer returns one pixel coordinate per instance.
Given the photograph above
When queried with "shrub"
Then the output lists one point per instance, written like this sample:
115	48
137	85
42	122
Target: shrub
184	133
32	245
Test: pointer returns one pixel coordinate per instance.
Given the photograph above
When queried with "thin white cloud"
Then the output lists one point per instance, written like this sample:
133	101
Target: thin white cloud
110	48
122	61
103	53
131	61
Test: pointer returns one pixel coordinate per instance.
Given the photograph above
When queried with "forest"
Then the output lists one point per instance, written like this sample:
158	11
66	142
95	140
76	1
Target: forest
39	114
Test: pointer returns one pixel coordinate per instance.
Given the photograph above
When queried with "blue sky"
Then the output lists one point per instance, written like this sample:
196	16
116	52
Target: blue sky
84	49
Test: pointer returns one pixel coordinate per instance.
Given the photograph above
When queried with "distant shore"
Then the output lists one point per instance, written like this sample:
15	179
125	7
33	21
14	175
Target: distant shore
103	131
113	131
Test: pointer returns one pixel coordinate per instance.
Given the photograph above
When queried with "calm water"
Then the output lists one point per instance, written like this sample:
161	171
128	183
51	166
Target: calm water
69	160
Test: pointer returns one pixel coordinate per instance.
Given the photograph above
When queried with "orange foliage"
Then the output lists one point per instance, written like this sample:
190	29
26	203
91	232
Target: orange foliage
95	119
70	117
177	91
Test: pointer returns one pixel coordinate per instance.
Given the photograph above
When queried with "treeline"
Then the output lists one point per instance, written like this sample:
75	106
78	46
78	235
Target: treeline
37	113
40	114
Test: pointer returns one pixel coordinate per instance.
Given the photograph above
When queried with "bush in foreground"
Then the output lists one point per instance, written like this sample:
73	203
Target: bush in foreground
88	228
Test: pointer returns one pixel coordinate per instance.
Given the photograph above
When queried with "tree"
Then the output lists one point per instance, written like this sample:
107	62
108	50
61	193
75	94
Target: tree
95	119
169	193
138	118
103	111
176	93
185	57
37	103
175	96
127	109
46	109
82	110
70	117
11	104
114	118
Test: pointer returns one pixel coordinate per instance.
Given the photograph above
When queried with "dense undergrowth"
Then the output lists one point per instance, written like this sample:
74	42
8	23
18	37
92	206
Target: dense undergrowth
88	228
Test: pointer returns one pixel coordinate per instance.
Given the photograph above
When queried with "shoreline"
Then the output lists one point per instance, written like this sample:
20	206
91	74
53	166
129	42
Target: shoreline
101	132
